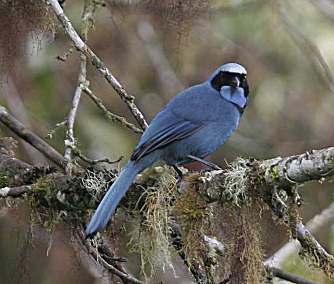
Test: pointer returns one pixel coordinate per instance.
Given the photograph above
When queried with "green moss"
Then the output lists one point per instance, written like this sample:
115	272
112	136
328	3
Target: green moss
195	219
3	179
274	172
97	63
43	193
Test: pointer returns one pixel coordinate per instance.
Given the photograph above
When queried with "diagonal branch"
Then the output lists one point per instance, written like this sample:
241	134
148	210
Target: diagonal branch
308	47
276	272
320	220
92	251
20	130
96	61
320	257
108	114
311	248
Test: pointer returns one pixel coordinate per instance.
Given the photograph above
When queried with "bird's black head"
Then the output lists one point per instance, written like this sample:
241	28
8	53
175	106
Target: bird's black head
230	74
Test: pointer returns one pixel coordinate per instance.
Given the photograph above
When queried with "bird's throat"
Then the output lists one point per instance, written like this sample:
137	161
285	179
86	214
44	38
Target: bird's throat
235	96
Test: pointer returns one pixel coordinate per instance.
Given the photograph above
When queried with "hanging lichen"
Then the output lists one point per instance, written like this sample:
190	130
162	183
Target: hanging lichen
21	20
150	236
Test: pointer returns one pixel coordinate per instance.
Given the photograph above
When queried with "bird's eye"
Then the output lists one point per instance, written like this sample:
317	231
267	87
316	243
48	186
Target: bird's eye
242	78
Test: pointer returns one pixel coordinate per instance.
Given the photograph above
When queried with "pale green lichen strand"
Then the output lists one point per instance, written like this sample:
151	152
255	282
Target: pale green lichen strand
235	182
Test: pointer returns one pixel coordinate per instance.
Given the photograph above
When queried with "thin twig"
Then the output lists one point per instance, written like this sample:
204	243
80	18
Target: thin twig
19	129
96	61
78	153
94	253
70	140
66	54
276	272
53	131
110	115
87	19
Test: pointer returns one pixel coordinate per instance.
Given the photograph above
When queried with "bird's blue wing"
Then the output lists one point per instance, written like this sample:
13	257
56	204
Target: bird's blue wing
182	117
165	136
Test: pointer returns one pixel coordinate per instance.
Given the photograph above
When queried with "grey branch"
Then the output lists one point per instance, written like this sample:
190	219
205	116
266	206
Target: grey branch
70	143
311	246
279	172
276	272
312	165
20	130
78	153
96	61
108	114
93	252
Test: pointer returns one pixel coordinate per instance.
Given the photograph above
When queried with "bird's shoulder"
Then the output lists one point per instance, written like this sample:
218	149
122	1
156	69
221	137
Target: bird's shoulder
198	103
183	107
197	94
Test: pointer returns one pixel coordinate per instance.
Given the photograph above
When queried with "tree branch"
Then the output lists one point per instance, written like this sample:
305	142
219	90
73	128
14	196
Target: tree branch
276	272
96	61
110	115
279	173
70	143
320	220
19	129
93	252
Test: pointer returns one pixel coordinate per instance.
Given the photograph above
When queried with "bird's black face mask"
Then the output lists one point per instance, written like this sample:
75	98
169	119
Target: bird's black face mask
233	80
233	87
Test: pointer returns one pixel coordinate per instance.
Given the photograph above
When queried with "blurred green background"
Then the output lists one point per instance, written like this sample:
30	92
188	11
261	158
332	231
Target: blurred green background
155	48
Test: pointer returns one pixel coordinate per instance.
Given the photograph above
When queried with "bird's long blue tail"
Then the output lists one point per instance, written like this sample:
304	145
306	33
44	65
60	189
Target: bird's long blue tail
111	199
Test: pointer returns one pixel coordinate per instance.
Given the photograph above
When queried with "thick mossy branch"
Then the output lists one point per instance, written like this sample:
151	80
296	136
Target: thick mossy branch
311	251
312	165
55	197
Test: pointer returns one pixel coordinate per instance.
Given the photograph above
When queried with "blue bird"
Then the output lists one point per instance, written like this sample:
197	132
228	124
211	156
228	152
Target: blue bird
190	127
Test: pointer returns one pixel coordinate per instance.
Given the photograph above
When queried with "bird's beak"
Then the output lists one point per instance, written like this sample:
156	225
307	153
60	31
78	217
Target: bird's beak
235	83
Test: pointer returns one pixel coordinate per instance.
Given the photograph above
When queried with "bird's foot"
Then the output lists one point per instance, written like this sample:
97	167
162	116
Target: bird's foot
179	173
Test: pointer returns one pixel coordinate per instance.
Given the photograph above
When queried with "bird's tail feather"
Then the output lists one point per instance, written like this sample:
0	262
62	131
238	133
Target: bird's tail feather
111	199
